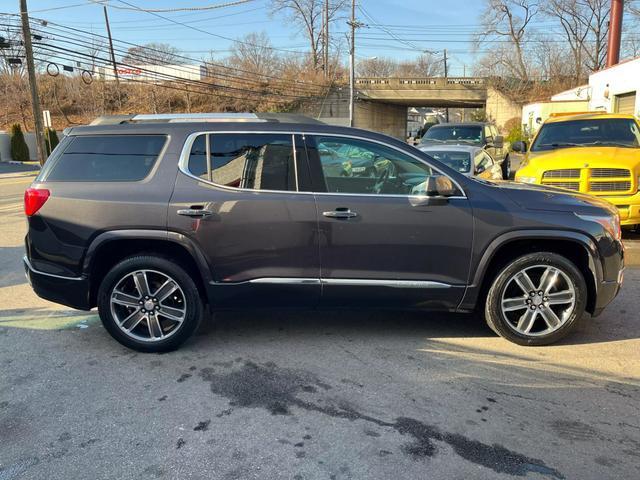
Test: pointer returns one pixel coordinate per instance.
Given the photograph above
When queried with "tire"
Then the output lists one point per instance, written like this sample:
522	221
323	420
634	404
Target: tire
512	321
167	322
506	168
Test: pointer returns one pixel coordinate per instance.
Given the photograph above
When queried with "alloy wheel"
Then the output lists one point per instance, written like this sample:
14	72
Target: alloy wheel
148	305
538	300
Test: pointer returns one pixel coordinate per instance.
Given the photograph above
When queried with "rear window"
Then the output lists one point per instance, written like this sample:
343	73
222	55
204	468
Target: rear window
107	158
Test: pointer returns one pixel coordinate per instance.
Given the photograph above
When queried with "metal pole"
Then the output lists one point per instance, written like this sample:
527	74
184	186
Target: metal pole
113	56
33	86
446	75
615	32
326	39
352	54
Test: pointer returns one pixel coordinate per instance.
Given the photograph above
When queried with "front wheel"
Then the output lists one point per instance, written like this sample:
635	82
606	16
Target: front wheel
149	304
537	299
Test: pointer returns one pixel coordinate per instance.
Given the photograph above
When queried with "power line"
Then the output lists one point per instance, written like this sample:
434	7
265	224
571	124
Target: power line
60	27
205	31
255	88
179	9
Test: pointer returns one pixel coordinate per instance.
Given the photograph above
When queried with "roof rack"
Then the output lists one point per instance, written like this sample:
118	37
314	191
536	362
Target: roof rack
203	117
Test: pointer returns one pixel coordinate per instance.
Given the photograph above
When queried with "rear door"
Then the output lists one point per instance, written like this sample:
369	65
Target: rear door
379	244
238	198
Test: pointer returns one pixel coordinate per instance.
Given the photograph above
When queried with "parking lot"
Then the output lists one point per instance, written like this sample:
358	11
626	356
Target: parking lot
311	394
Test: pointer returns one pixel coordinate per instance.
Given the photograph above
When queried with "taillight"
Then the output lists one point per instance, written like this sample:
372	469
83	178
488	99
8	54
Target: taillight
34	199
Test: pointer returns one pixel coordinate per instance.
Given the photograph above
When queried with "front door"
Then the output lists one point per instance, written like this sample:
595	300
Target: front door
237	199
379	242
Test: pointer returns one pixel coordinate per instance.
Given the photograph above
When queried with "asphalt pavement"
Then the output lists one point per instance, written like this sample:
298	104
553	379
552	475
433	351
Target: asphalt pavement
311	395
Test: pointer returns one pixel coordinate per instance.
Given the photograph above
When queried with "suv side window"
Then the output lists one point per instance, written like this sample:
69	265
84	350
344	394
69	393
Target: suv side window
255	161
107	158
349	165
494	131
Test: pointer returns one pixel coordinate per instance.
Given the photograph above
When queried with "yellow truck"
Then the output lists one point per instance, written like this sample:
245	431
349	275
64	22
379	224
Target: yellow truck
592	153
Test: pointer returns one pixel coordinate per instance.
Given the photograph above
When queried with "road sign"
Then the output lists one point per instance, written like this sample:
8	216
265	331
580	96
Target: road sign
46	115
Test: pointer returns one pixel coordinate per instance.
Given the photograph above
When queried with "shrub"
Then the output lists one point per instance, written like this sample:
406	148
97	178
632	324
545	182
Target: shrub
515	135
51	139
19	148
514	131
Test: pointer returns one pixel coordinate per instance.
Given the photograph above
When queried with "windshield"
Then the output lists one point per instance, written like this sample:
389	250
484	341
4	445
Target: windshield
459	161
453	133
619	132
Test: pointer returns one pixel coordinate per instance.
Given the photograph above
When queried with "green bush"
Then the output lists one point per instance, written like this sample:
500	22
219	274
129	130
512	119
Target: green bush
19	148
515	135
51	139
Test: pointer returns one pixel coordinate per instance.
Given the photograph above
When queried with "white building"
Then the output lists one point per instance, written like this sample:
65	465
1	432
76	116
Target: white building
612	90
615	89
154	73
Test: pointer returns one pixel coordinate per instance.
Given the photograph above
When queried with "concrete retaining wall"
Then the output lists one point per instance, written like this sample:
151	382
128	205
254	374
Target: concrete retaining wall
5	146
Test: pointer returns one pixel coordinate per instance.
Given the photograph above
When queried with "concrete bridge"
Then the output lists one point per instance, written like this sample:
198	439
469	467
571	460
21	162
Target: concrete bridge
425	92
381	103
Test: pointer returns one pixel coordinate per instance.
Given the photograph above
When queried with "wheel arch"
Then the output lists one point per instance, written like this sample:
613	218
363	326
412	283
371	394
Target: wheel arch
109	248
514	244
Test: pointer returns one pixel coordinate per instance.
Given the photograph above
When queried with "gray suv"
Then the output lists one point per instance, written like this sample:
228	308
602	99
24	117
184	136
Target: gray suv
480	134
157	218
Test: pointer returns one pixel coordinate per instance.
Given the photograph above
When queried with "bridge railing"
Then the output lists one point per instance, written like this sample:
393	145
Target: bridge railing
417	82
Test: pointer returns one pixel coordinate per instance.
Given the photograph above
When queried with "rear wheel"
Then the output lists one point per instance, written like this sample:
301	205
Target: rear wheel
537	299
149	304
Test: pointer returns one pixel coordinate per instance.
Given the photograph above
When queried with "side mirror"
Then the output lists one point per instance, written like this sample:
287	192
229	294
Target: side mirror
439	186
480	169
519	146
498	141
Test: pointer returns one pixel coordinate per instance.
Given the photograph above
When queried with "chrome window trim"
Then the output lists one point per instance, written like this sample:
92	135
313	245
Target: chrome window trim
183	163
295	162
354	282
39	272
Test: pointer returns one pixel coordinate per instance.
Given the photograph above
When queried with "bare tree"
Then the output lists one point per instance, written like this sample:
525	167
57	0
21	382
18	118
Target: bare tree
597	13
254	55
575	25
378	67
509	19
307	15
152	54
426	65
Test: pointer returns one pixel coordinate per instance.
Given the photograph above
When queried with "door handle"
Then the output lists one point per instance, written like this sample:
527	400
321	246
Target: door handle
194	212
340	213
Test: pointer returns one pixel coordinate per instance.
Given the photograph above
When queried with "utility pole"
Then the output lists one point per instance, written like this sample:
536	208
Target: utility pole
446	75
352	62
325	35
33	86
326	39
113	56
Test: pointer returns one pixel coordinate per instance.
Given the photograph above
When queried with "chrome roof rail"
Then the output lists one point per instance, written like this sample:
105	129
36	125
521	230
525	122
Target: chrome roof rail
197	117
